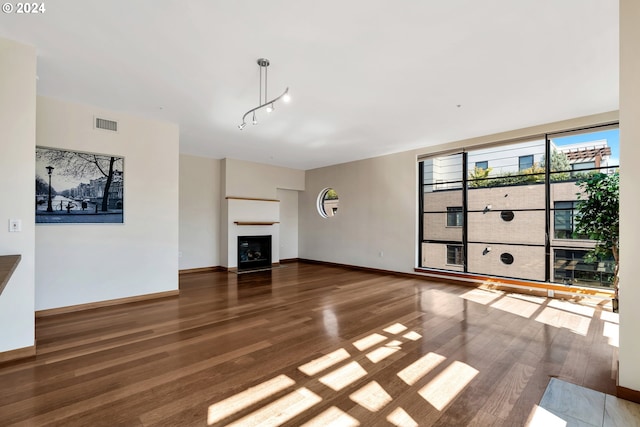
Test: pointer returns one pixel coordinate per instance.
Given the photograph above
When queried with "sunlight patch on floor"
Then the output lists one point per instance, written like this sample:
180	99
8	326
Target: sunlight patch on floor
368	341
540	417
412	336
324	362
400	418
372	397
562	319
421	367
611	331
382	353
395	329
444	388
481	296
342	377
610	316
280	411
332	417
572	307
238	402
516	306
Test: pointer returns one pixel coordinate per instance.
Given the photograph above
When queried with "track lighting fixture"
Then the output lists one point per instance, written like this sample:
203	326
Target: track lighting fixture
262	100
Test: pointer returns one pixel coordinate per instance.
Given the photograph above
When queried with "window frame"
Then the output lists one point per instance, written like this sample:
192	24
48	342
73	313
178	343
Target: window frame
571	213
541	173
520	161
458	255
455	212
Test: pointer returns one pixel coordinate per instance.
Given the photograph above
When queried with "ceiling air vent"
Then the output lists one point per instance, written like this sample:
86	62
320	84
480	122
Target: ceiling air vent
106	124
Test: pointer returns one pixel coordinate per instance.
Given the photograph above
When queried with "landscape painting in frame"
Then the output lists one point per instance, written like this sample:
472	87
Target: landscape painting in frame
78	187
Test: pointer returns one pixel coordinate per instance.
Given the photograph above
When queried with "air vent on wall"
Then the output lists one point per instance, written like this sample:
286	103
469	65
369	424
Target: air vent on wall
106	124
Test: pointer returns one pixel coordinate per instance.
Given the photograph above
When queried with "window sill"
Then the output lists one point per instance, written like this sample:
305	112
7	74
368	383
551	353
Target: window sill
503	282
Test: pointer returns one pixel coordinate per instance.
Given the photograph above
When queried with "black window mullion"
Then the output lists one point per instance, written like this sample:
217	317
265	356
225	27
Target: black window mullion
547	208
464	212
421	186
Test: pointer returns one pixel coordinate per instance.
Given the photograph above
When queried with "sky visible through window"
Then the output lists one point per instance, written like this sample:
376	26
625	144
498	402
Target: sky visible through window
612	136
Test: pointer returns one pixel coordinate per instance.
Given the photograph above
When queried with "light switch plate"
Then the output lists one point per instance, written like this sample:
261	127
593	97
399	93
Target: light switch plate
15	225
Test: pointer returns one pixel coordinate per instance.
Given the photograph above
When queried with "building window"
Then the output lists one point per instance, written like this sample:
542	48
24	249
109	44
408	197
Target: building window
454	217
454	254
525	162
482	165
582	166
578	168
564	216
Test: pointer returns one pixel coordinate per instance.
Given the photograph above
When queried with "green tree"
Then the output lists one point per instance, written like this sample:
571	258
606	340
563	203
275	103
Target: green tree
598	217
559	162
477	178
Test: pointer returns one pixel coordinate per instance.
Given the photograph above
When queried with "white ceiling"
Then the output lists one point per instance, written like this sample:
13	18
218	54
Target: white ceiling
367	77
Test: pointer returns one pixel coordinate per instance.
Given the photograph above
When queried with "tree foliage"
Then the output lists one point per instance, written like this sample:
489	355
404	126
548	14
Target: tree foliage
331	195
477	178
559	163
598	217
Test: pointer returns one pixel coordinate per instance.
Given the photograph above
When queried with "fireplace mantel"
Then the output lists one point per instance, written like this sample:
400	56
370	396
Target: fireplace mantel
255	222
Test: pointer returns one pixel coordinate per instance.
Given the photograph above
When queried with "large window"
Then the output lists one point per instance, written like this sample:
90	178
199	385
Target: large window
515	219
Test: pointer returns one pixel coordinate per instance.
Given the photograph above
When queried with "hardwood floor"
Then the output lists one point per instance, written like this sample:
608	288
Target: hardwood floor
307	345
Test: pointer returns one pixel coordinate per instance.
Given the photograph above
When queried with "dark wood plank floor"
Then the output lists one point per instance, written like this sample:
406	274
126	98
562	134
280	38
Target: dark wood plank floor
307	345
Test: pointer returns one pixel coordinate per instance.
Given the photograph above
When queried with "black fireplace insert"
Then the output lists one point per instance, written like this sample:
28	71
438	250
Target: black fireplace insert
254	252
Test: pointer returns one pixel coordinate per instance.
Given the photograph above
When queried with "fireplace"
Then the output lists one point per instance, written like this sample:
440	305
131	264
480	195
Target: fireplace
254	252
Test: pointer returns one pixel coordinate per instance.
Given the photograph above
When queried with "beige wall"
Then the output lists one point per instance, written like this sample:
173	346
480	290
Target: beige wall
377	214
83	263
629	354
249	179
17	178
199	212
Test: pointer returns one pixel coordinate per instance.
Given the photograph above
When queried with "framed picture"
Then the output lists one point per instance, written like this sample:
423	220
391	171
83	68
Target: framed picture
78	187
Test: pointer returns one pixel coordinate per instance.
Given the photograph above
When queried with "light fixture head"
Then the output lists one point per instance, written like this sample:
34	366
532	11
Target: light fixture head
242	125
254	120
270	108
286	97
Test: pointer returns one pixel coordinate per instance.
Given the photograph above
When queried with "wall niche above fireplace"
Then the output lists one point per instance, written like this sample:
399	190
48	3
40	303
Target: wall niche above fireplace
254	252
